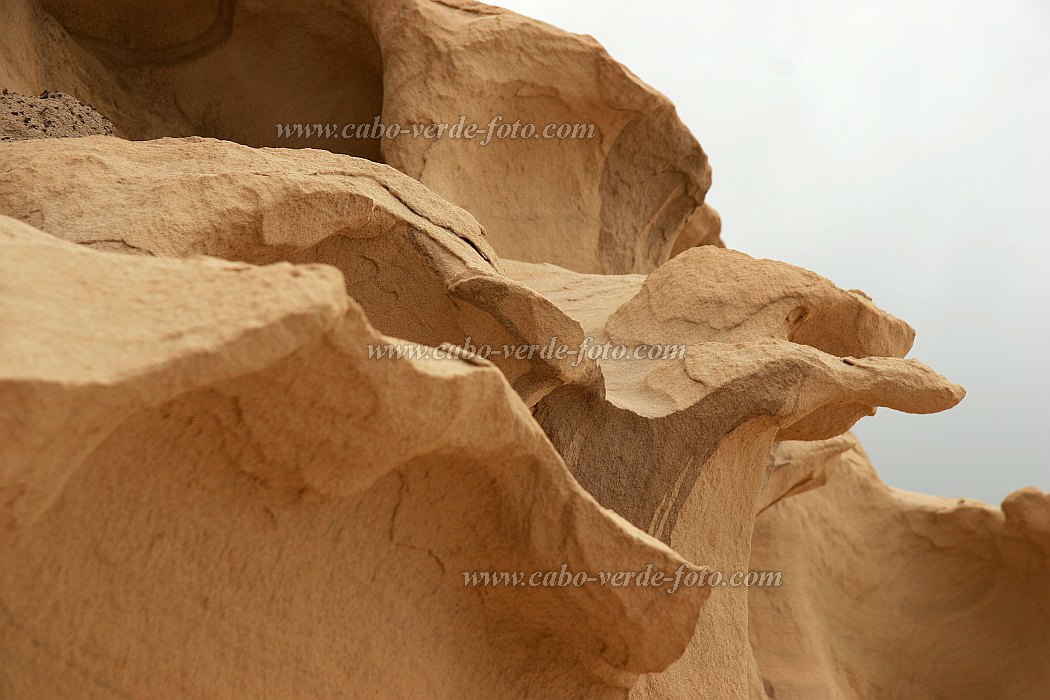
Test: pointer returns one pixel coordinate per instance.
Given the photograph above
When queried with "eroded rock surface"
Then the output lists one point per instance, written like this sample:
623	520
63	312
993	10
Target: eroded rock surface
213	485
616	201
419	266
680	446
896	594
51	115
223	492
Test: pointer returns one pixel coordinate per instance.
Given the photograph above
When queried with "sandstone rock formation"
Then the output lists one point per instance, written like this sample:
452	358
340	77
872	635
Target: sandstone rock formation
224	497
896	594
235	69
235	465
51	115
420	267
679	446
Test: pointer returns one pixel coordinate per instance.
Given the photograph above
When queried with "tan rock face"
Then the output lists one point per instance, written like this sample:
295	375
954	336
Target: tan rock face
899	595
616	201
419	266
704	227
223	492
245	455
51	115
680	446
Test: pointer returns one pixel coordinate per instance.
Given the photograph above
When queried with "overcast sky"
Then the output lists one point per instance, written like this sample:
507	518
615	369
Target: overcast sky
898	148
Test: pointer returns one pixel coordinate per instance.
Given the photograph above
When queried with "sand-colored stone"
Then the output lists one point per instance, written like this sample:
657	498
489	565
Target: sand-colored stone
420	267
703	227
234	69
892	594
209	490
51	115
680	447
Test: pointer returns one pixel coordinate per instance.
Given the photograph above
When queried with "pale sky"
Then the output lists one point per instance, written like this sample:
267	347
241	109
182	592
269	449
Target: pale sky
897	148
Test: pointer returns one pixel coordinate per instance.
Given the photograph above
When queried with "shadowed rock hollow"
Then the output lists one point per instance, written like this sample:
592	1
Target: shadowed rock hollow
236	69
